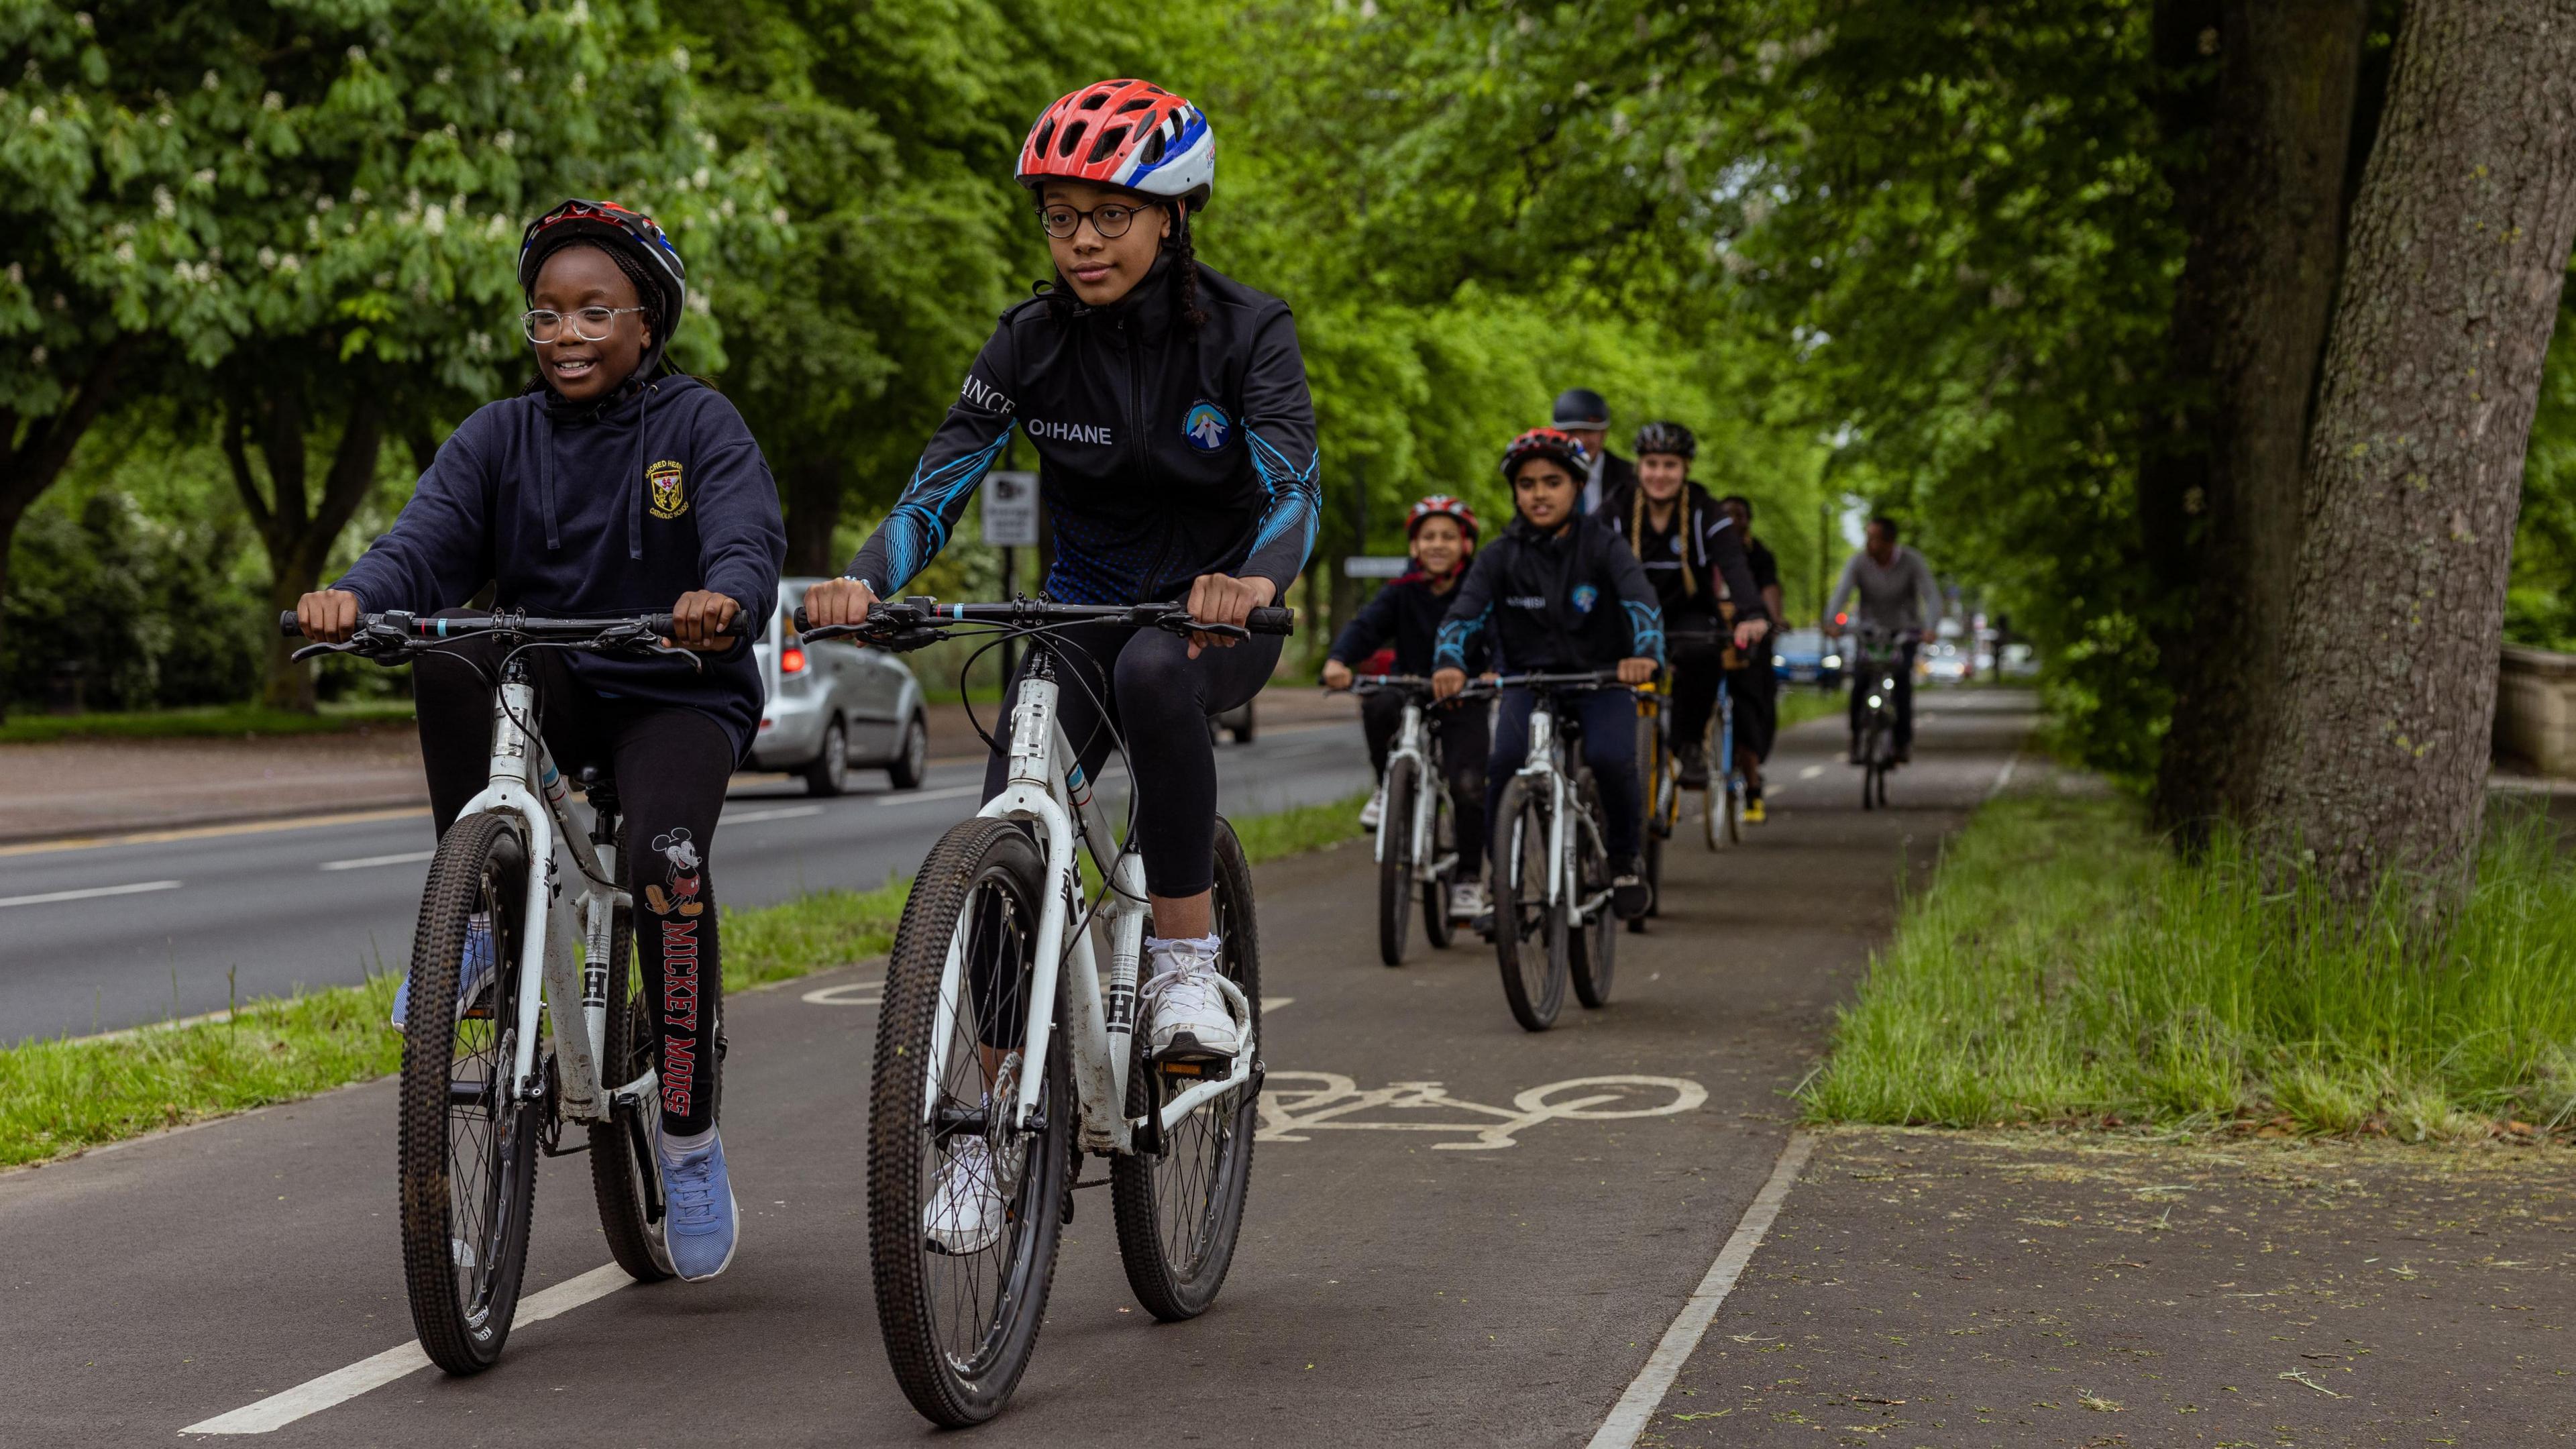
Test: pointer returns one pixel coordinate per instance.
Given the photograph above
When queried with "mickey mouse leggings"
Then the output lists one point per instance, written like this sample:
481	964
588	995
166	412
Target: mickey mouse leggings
671	765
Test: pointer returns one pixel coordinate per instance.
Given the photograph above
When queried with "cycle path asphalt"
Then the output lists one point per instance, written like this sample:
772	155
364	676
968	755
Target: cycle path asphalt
1390	1287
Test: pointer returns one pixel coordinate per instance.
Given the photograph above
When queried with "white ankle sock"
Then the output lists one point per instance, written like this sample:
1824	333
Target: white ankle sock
682	1146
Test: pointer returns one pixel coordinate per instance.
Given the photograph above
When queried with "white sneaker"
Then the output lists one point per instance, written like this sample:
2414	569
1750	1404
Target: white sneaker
1187	1015
1467	900
966	1212
1375	808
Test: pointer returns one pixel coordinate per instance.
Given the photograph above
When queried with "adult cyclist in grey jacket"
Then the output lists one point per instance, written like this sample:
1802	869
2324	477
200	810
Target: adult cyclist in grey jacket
1898	596
1176	453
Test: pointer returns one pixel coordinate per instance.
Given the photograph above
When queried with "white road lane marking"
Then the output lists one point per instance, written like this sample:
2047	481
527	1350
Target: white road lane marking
90	893
916	797
1811	772
341	1385
784	812
1636	1408
2005	778
1273	1003
1294	1104
848	993
370	862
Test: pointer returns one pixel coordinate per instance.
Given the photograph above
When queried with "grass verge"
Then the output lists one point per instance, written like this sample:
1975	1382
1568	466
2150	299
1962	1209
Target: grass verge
59	1097
2064	966
210	722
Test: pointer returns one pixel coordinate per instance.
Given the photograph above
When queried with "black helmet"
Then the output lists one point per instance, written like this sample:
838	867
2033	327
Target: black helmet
1666	437
631	233
1581	407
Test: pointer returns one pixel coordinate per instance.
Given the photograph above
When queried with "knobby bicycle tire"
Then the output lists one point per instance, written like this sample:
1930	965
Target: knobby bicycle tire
1437	928
1529	934
961	1326
1395	864
1591	946
625	1179
1179	1212
467	1160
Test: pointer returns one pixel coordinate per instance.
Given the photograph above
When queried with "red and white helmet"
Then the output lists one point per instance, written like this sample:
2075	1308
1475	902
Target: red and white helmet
1441	505
1124	133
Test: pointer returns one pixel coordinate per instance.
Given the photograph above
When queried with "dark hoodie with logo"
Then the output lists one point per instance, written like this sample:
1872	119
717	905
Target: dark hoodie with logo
1564	599
582	510
1405	614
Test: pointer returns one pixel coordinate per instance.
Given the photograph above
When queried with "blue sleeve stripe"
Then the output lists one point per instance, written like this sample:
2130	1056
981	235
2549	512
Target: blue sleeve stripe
1299	507
918	527
1645	629
1449	649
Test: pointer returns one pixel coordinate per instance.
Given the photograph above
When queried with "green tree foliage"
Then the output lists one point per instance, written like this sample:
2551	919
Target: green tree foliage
2540	608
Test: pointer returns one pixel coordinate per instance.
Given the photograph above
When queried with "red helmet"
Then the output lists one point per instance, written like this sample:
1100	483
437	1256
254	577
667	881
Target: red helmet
1442	505
1545	443
1124	133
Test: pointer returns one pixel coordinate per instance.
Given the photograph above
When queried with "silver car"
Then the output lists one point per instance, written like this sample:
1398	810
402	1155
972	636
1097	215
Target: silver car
834	704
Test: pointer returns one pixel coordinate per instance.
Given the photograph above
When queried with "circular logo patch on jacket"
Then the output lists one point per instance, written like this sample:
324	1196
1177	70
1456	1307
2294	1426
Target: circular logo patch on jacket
1585	596
1206	426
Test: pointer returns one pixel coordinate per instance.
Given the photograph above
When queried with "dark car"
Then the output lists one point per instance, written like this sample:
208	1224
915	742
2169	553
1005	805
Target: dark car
1806	656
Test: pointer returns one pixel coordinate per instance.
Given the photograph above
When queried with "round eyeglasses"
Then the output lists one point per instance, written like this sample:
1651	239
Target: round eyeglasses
590	324
1110	221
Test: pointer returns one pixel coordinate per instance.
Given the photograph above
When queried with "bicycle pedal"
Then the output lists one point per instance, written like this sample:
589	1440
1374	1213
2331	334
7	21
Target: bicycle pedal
1182	1068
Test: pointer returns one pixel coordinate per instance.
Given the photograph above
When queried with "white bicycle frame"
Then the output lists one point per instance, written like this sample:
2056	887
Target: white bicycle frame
1049	792
1412	741
1560	796
555	969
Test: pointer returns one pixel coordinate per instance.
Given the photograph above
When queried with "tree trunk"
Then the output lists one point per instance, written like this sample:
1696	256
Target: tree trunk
296	535
2249	328
33	461
814	489
2458	249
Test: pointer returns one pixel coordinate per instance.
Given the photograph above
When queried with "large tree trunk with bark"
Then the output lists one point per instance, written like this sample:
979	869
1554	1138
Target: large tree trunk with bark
2458	249
296	530
2249	328
813	503
34	451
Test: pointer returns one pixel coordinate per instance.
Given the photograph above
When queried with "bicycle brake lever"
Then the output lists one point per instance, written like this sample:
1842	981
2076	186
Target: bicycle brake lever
311	650
1185	625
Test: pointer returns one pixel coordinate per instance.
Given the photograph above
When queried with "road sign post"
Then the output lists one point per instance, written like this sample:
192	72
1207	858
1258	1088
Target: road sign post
1009	509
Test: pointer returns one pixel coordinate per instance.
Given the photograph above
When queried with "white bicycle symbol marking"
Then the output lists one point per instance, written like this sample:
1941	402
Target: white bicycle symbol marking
1293	1104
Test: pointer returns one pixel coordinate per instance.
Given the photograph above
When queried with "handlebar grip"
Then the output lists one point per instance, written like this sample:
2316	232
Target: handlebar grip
662	624
287	625
1272	620
801	625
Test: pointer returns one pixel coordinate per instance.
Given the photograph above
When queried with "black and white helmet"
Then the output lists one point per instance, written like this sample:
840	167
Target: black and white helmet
1666	437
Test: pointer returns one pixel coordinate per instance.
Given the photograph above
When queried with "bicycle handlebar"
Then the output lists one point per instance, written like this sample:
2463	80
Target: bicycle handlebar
1585	679
425	628
892	618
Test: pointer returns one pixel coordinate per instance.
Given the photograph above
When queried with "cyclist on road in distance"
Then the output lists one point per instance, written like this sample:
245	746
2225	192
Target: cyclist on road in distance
1693	553
611	485
1441	535
1756	685
1176	448
1562	594
1584	415
1892	580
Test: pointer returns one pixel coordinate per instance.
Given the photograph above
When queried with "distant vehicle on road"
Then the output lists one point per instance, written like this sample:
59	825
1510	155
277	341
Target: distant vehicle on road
1805	656
834	704
1237	721
1944	663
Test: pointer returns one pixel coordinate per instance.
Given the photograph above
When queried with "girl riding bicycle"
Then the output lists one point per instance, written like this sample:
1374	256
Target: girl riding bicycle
1176	448
1694	554
612	485
1562	594
1440	533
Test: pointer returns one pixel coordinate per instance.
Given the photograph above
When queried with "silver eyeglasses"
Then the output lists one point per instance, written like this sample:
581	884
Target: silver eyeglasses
590	324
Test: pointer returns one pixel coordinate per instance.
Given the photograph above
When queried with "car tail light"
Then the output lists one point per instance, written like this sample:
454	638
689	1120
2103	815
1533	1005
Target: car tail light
791	660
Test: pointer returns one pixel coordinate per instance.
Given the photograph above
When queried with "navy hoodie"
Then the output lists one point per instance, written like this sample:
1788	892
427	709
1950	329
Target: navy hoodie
617	507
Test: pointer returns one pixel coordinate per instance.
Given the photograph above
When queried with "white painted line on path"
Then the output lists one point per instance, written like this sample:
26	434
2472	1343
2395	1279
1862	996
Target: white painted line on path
91	893
2005	778
784	812
1811	772
916	797
369	862
1636	1408
341	1385
1273	1003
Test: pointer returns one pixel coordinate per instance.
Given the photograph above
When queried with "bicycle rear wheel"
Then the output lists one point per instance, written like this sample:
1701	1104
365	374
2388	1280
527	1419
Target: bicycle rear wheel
1180	1211
625	1179
468	1152
1395	864
961	1287
1591	946
1529	933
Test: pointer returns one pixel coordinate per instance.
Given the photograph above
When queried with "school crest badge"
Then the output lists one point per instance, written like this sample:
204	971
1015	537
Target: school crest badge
668	499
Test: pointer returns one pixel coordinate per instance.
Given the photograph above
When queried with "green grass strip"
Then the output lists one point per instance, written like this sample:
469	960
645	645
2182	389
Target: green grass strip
62	1096
2065	966
210	722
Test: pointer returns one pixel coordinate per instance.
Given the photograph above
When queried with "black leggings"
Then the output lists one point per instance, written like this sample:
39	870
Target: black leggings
1464	729
671	764
1698	664
1159	699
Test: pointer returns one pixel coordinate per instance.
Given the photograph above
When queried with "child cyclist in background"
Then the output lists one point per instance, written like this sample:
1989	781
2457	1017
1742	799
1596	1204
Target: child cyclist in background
1441	536
611	486
1564	595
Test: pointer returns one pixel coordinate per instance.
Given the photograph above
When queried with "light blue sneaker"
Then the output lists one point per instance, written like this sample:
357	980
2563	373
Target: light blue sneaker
473	975
698	1221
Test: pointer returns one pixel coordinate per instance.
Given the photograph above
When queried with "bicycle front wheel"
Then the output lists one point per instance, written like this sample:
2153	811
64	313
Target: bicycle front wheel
468	1150
1179	1211
1529	932
1395	864
965	1203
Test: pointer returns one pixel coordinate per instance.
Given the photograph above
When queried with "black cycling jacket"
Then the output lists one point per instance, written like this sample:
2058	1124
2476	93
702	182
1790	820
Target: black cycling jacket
1550	598
1405	614
1162	454
1713	554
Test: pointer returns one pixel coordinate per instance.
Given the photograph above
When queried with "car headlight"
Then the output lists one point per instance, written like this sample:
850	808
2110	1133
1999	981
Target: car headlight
1779	661
1833	661
1873	701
